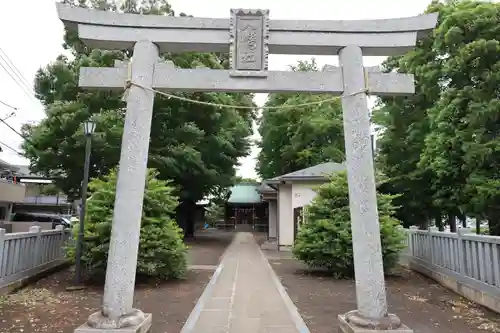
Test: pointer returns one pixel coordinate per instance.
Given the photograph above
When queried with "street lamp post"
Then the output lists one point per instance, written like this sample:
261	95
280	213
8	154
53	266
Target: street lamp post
88	128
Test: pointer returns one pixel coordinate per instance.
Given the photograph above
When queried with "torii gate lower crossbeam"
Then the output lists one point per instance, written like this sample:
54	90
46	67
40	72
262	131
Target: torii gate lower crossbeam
168	78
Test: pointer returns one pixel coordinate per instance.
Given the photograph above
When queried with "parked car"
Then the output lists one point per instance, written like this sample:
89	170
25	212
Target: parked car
42	217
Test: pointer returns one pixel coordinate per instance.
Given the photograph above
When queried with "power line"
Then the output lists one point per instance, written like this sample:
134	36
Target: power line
18	133
25	87
18	77
12	114
22	136
17	82
14	68
8	105
13	149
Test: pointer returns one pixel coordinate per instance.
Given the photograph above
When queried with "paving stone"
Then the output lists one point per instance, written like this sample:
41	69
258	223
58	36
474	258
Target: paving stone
218	304
209	319
278	329
244	325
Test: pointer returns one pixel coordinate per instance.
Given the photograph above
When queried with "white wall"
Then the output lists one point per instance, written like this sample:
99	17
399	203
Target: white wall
285	215
291	196
273	219
303	193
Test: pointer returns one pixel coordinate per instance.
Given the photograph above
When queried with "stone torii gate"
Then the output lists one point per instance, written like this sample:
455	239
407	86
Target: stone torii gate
249	36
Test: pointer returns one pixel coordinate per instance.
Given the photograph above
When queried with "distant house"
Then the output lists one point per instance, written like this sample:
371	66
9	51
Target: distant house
290	192
11	191
35	200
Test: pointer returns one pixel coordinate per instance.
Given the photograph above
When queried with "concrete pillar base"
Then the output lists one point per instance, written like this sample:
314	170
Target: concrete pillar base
285	248
140	323
351	322
270	245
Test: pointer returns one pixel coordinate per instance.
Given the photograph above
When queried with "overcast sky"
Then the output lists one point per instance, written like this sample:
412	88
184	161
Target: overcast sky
31	38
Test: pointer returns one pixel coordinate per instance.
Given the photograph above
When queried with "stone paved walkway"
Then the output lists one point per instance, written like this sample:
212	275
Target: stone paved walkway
245	296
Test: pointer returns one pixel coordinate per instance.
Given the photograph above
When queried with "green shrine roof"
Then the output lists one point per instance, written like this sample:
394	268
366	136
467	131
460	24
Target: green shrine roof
245	193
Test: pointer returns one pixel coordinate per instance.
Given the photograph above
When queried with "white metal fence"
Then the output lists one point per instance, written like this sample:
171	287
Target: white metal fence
25	254
463	261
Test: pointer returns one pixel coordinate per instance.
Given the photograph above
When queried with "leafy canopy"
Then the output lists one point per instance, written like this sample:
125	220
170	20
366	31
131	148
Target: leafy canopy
299	137
195	146
439	147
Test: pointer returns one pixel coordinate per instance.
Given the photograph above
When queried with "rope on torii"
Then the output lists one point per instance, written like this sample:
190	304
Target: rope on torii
129	83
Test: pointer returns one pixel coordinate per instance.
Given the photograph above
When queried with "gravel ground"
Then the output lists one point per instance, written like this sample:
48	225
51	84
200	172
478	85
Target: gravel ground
46	306
421	303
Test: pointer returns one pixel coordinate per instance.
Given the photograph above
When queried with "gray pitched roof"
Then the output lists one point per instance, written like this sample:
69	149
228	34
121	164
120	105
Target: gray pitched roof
264	188
24	170
7	166
320	171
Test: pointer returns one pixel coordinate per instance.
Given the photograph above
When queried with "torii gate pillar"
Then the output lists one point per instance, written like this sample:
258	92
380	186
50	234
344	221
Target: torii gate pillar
119	288
365	227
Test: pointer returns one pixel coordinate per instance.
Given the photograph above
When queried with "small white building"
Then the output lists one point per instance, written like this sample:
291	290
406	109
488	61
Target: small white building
288	193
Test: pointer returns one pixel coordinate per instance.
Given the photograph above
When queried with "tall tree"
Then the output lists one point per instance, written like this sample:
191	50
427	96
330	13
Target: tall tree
439	147
463	146
405	126
194	145
294	138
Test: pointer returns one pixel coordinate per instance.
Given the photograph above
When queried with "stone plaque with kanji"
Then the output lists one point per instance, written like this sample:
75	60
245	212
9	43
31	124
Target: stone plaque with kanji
249	36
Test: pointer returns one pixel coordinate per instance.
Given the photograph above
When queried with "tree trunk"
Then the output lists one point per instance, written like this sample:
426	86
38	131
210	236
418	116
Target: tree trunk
180	218
452	222
439	222
494	226
425	224
478	226
190	219
463	219
186	217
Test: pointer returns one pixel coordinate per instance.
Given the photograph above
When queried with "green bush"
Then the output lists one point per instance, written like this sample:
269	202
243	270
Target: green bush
162	252
214	213
324	240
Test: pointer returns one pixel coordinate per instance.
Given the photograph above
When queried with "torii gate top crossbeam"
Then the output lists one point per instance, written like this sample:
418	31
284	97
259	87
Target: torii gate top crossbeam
108	30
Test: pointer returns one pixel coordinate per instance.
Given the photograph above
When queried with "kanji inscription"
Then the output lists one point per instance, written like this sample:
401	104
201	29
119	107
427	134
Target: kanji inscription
249	34
249	43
